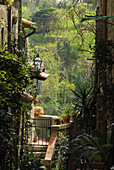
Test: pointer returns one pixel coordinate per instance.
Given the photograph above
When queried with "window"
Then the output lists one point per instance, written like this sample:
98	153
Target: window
2	37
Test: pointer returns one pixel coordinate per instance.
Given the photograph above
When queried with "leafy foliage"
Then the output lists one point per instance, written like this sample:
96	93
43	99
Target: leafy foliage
96	144
6	131
84	101
30	162
68	44
43	18
60	155
13	78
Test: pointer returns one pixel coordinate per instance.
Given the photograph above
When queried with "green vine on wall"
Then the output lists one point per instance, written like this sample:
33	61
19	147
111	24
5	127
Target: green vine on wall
13	78
60	156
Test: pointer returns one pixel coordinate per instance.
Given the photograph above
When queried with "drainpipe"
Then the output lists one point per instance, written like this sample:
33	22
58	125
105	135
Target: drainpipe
34	30
29	34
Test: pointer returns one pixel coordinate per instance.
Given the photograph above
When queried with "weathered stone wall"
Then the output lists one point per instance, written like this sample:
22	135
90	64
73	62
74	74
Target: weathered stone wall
6	19
3	24
15	22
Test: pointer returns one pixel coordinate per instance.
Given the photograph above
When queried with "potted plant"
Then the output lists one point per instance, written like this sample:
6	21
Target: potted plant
35	137
66	112
66	117
38	110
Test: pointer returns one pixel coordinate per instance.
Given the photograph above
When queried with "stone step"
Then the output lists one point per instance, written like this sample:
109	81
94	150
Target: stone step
39	154
38	148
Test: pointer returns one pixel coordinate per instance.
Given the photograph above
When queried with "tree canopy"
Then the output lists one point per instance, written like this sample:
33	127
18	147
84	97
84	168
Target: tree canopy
69	44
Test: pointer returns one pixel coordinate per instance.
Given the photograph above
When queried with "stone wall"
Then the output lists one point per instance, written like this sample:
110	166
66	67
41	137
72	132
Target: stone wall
9	21
3	24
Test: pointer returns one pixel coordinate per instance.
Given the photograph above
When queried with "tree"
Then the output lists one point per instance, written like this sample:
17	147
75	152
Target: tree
43	18
68	44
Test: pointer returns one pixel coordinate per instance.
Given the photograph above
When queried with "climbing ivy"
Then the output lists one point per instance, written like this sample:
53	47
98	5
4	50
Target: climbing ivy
14	79
60	155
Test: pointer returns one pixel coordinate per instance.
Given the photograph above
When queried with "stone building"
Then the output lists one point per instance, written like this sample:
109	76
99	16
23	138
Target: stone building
3	24
9	22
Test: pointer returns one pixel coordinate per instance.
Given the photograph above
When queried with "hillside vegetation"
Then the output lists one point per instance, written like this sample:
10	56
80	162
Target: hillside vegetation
65	44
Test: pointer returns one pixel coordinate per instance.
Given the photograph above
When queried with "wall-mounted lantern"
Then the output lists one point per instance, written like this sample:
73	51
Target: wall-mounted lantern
39	72
37	61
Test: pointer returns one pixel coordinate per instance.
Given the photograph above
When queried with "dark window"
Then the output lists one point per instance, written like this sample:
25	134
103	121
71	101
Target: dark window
2	37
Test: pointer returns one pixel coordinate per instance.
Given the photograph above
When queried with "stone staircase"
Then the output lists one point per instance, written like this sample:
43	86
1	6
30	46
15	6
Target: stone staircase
38	150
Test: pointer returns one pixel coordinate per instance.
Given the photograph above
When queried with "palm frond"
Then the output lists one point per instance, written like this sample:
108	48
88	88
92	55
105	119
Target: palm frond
76	93
95	144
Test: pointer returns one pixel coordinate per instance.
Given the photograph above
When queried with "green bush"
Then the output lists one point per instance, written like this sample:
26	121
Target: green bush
31	162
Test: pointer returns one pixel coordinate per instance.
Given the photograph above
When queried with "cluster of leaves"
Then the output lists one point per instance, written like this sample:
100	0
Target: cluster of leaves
66	109
6	132
30	162
60	155
83	95
43	18
84	102
13	78
94	147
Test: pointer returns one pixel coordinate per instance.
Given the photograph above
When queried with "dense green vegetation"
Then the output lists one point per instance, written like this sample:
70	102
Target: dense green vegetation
64	43
15	79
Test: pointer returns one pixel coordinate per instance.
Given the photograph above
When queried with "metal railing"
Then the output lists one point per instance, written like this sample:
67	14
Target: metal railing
39	132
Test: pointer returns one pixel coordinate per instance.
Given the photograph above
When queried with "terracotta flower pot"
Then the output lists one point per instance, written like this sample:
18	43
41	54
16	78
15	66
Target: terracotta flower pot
35	139
66	119
36	113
